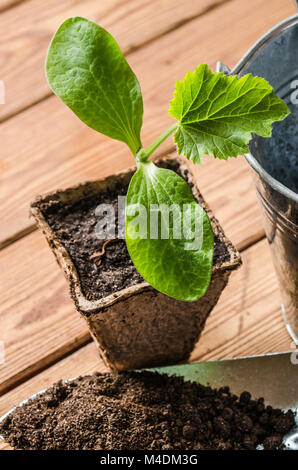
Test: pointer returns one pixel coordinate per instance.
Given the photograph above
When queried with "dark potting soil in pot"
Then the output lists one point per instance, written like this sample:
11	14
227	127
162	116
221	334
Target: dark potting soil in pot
144	411
74	225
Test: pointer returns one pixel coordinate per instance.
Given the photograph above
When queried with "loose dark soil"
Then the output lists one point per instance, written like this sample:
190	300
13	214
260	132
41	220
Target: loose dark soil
74	225
144	411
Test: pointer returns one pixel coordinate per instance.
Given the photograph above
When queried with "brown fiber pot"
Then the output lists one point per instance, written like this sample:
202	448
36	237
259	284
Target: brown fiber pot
138	326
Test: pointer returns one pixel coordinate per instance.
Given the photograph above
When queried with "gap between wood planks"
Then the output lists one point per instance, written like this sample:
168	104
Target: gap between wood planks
254	238
127	51
55	357
9	4
63	352
33	227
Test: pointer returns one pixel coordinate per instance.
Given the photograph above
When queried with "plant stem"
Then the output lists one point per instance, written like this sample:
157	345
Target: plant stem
144	154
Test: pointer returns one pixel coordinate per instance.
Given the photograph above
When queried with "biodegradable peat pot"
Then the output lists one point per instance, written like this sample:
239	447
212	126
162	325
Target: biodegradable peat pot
134	325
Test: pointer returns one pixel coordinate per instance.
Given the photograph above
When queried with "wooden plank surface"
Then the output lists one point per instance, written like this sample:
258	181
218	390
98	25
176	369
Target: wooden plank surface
4	446
229	189
25	33
246	321
54	149
82	362
37	318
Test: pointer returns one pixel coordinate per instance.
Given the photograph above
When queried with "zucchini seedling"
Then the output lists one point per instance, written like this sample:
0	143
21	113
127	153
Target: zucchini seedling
214	114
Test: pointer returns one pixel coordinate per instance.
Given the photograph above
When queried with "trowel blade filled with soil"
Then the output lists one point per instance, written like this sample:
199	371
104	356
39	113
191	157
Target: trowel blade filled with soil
215	405
272	376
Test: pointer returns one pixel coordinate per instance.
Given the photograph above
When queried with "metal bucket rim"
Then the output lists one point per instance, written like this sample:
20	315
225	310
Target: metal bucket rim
281	188
288	22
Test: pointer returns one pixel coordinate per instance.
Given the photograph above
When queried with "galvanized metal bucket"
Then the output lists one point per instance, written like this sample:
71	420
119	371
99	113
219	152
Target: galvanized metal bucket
275	161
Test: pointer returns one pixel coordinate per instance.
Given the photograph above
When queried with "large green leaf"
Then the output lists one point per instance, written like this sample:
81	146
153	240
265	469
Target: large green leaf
87	70
178	267
218	113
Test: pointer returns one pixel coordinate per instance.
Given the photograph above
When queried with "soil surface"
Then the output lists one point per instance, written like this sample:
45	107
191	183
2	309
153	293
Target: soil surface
144	411
74	225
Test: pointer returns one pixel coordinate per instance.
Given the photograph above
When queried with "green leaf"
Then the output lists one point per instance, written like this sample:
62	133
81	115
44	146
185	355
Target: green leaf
218	113
87	70
178	267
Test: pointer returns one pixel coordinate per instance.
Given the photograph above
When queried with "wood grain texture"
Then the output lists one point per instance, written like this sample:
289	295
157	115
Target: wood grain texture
35	310
25	33
54	149
4	446
246	321
6	4
85	361
248	318
229	190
